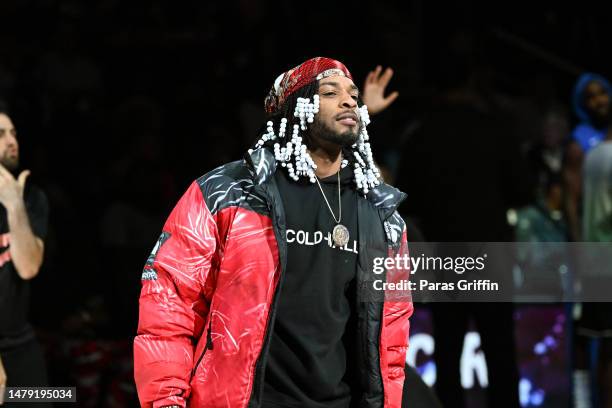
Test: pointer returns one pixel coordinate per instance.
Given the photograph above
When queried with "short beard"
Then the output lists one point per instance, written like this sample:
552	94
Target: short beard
319	130
11	164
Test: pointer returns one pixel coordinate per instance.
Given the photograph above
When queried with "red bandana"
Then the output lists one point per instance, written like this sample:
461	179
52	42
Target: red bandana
296	78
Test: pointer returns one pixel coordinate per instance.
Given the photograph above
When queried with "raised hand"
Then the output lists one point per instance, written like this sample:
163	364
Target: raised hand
374	90
11	189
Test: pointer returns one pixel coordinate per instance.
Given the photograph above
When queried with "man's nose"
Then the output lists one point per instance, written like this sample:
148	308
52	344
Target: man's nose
348	101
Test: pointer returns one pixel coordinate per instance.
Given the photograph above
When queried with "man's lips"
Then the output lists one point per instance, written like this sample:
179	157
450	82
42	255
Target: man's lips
348	119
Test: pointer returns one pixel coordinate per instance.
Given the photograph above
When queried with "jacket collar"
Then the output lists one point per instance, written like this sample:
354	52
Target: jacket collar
261	163
386	198
383	197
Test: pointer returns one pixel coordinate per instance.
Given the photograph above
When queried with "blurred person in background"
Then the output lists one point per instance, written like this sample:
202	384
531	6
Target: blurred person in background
591	104
23	227
544	258
545	154
595	320
543	223
236	308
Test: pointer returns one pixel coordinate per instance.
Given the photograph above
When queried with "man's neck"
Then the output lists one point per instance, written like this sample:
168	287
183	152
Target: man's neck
326	155
327	160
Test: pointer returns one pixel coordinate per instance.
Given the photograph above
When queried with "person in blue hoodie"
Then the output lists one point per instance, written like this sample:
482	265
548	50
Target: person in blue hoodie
591	103
592	107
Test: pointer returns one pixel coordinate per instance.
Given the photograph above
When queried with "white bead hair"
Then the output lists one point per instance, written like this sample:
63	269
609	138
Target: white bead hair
305	110
294	154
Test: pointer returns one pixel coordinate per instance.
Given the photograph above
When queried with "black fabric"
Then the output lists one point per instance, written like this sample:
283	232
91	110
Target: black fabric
314	330
224	186
417	394
495	324
25	367
14	291
379	205
463	171
595	320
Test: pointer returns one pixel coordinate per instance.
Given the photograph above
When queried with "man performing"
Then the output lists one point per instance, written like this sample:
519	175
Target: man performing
259	290
23	226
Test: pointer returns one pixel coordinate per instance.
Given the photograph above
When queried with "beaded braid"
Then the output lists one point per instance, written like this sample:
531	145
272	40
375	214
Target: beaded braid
294	154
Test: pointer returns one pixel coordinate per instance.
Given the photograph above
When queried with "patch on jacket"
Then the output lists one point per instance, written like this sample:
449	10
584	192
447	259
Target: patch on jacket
394	226
149	273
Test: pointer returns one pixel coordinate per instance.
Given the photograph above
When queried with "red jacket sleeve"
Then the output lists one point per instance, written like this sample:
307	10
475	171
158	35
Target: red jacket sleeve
172	304
394	339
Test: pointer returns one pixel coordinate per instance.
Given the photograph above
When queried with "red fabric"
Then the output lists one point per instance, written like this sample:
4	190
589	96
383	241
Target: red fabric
176	307
300	76
172	307
393	345
220	271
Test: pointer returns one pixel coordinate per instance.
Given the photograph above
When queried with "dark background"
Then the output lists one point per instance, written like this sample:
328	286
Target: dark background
120	105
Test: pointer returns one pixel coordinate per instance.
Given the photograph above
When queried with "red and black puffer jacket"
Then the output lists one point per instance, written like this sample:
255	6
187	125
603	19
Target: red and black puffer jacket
210	285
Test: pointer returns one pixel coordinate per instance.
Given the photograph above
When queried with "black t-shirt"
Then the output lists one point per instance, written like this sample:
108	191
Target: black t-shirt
311	349
14	291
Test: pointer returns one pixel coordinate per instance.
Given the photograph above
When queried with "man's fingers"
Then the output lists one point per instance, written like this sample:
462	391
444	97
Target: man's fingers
373	75
392	97
377	72
369	77
21	180
386	77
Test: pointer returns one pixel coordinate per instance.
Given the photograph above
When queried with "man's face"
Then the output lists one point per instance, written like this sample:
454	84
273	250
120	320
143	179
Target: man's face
338	118
597	101
554	129
9	148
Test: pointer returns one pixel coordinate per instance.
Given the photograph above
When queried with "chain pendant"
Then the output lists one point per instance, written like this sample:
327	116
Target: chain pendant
340	235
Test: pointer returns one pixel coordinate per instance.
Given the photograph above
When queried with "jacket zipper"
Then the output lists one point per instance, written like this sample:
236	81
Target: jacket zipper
258	383
208	346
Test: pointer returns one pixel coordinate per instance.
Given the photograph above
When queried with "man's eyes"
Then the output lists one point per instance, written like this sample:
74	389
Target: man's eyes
332	93
3	132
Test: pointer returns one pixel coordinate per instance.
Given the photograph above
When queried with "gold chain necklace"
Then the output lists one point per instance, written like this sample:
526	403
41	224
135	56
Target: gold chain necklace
340	234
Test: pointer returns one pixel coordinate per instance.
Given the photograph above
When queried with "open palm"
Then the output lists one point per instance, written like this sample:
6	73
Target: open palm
374	90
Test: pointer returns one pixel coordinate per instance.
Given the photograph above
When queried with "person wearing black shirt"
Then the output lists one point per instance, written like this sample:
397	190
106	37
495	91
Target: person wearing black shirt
313	331
312	347
261	289
23	226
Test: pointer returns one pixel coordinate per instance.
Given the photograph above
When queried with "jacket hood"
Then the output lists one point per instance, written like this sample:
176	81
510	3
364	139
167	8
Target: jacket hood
581	84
